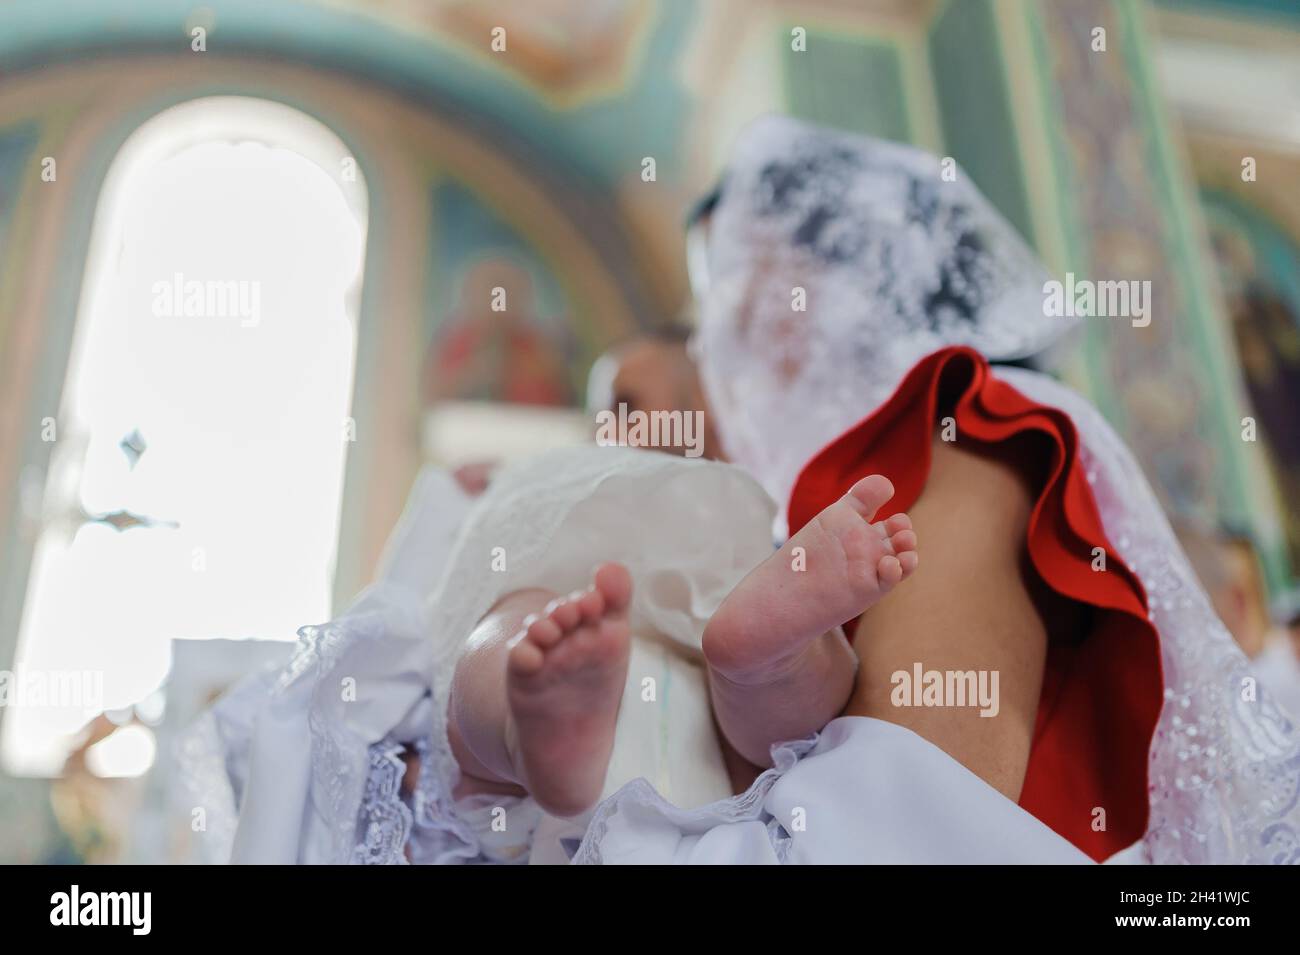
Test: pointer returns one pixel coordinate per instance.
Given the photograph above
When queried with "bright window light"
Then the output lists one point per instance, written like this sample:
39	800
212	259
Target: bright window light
128	752
238	389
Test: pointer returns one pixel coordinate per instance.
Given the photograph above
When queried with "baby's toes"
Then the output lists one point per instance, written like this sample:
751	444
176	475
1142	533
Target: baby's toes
592	606
615	585
903	541
543	632
869	495
564	611
908	560
525	657
899	522
889	570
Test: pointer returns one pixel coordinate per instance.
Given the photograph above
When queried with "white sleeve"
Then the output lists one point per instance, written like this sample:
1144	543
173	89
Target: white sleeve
417	549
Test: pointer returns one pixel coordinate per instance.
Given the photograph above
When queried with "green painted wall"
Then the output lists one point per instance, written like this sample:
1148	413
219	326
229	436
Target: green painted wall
853	83
974	106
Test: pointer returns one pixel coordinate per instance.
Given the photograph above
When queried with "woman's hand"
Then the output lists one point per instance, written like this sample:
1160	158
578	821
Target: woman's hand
473	477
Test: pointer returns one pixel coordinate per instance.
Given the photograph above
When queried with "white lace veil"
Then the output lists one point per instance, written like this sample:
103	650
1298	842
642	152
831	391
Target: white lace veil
834	262
897	261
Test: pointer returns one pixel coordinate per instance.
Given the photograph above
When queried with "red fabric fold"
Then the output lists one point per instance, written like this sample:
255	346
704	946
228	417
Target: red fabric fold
1101	697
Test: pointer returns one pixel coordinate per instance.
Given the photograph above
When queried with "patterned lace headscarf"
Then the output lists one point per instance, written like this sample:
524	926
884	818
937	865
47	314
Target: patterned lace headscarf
834	263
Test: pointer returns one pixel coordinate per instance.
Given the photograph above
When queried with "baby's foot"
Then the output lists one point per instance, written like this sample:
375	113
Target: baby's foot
837	566
564	682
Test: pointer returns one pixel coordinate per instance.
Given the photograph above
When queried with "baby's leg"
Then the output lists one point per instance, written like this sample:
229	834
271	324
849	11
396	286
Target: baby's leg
779	668
536	693
973	606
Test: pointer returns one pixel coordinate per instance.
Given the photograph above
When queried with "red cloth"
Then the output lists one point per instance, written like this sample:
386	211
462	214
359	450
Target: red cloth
1101	697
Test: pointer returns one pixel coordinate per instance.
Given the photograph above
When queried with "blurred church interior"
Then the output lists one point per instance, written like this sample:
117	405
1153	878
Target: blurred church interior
381	167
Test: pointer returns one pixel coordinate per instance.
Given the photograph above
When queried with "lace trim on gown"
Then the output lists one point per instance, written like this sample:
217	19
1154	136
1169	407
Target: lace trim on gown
745	807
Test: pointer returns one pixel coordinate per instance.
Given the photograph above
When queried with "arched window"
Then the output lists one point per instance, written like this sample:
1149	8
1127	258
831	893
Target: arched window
195	484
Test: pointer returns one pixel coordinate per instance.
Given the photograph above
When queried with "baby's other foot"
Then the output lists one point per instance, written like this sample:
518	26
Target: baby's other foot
564	681
837	566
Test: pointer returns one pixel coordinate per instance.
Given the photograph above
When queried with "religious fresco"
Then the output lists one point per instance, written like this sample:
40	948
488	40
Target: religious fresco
500	327
492	346
560	46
